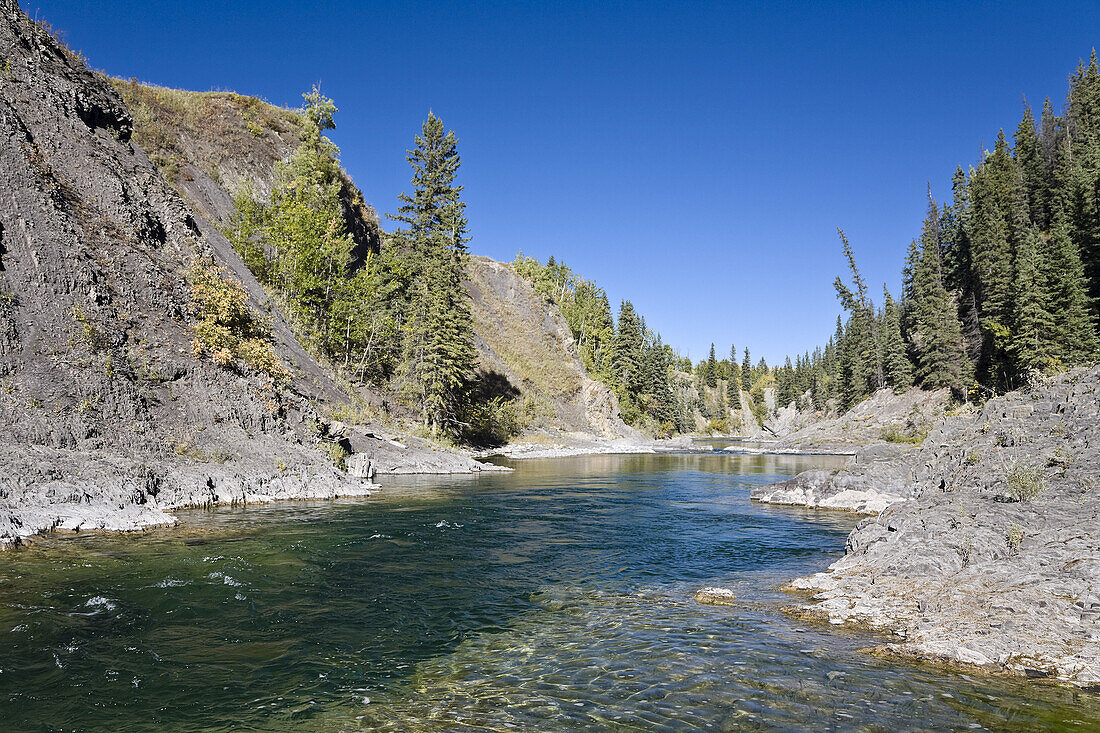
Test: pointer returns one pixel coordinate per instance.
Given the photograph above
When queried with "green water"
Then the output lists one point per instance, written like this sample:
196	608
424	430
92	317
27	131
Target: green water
557	597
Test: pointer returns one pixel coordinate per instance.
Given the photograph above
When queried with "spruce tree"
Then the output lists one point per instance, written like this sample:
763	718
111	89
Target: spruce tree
746	373
626	351
858	352
1067	292
992	230
661	402
1082	189
712	369
1033	168
437	346
935	331
734	389
1033	328
899	371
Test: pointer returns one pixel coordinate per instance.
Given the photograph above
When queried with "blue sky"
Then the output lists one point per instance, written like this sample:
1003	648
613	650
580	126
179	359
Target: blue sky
695	158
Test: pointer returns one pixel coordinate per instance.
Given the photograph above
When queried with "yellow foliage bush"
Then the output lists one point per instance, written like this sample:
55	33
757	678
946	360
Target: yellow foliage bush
226	328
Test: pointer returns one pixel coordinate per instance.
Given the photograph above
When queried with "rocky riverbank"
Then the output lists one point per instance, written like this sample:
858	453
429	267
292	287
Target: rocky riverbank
562	445
989	553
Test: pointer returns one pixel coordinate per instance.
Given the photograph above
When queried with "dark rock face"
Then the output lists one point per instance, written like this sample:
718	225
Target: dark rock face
94	248
994	558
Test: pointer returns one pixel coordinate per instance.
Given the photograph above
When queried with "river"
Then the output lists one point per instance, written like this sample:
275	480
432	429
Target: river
556	597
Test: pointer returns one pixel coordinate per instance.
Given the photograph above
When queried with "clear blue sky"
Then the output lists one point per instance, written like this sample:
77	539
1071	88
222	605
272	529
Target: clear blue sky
695	158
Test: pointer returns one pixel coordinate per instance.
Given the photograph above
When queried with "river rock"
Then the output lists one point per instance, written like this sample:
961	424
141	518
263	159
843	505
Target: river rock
715	596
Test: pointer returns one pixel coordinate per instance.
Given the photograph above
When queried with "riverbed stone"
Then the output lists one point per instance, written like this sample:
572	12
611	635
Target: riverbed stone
715	596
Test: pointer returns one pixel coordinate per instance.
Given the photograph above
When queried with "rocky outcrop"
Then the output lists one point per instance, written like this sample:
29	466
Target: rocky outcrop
903	416
874	478
44	489
994	557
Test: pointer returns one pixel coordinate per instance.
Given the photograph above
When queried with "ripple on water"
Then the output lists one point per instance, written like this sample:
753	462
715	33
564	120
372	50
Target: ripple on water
555	598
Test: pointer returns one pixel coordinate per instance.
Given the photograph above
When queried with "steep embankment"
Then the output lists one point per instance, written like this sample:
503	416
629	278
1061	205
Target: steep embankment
995	560
108	418
524	338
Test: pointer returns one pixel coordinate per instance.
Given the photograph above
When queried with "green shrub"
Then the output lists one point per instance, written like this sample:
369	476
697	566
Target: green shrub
1024	482
893	434
1014	537
90	333
718	425
337	452
495	421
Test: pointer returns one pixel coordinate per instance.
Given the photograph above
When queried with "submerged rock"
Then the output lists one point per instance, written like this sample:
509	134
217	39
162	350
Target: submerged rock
715	596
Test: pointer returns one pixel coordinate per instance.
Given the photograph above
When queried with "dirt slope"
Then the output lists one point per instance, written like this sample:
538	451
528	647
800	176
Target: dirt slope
525	338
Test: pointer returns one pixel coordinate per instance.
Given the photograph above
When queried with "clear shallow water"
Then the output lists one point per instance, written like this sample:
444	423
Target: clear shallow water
557	597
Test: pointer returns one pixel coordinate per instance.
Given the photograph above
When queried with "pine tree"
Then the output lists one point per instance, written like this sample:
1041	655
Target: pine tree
899	371
1033	327
661	405
1050	136
1067	291
746	373
786	389
437	351
712	369
935	332
991	235
1033	168
858	352
734	388
626	350
1082	184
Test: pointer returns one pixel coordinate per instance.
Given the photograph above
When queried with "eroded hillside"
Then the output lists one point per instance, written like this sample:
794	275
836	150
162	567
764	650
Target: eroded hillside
109	412
524	337
212	144
141	366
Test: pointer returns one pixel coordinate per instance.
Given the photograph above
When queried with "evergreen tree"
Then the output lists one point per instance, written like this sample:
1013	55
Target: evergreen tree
746	373
857	352
1067	292
1050	136
1082	184
786	389
734	389
437	350
712	369
899	371
1033	168
935	331
991	236
626	352
661	403
1033	328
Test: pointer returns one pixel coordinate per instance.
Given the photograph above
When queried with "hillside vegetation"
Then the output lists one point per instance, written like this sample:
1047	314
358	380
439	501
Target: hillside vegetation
269	180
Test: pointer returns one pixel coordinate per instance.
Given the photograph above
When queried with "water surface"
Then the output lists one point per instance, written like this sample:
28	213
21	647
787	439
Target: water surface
556	597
